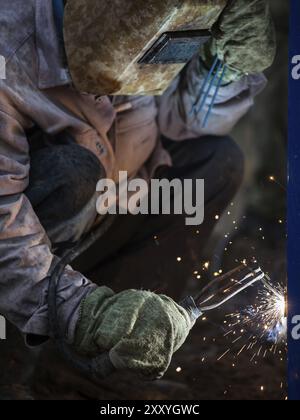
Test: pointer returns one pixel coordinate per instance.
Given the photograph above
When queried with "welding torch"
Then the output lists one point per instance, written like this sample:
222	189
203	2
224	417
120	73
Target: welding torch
222	289
215	294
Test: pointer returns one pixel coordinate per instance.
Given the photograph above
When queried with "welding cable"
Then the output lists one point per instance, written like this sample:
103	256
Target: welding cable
99	367
215	77
215	96
211	85
204	84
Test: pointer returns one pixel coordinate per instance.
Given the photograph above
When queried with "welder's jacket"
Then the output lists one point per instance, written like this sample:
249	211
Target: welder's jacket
124	135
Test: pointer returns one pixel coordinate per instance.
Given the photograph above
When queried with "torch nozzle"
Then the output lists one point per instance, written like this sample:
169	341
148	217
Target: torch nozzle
224	288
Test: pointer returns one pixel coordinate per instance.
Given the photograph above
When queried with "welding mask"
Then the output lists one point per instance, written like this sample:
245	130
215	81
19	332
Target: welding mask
134	47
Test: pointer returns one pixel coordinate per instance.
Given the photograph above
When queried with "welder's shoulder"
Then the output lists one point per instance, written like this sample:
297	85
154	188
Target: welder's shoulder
18	86
17	22
17	28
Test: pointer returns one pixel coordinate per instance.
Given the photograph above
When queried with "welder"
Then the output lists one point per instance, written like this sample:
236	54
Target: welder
93	88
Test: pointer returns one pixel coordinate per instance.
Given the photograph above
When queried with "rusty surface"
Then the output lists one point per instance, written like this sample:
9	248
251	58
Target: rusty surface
105	41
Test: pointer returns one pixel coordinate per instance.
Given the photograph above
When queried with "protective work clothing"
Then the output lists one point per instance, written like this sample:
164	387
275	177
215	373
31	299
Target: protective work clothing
141	330
243	38
123	134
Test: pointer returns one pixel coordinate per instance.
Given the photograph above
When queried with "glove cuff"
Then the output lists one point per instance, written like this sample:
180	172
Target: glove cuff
208	54
85	328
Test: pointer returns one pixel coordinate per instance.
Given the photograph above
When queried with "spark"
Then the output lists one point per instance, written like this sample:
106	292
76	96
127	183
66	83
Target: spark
242	349
273	312
273	179
156	240
179	259
206	265
223	355
260	328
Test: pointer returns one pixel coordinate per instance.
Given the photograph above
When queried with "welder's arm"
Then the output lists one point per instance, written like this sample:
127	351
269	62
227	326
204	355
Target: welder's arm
140	330
178	122
25	255
244	39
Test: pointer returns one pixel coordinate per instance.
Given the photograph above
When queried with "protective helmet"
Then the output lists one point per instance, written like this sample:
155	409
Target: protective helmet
134	47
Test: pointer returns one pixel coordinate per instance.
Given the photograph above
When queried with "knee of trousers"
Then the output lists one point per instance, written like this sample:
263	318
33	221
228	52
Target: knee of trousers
62	181
218	159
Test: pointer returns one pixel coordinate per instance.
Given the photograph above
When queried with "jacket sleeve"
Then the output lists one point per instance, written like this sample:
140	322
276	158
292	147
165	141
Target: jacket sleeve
25	253
177	122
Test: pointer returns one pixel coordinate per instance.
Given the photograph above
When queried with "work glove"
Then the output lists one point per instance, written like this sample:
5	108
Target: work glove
243	38
140	330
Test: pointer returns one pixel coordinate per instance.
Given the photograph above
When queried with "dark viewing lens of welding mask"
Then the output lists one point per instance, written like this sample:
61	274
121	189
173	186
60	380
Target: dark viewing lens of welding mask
135	47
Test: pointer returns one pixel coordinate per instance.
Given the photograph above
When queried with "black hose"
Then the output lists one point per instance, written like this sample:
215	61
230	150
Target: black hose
101	366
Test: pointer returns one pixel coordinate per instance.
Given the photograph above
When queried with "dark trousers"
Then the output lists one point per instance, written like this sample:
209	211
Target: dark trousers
159	253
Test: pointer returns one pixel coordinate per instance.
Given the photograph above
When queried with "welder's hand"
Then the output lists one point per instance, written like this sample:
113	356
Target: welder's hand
244	38
141	330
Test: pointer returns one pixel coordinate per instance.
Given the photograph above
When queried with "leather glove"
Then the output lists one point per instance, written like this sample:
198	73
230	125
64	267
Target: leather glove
141	330
243	38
